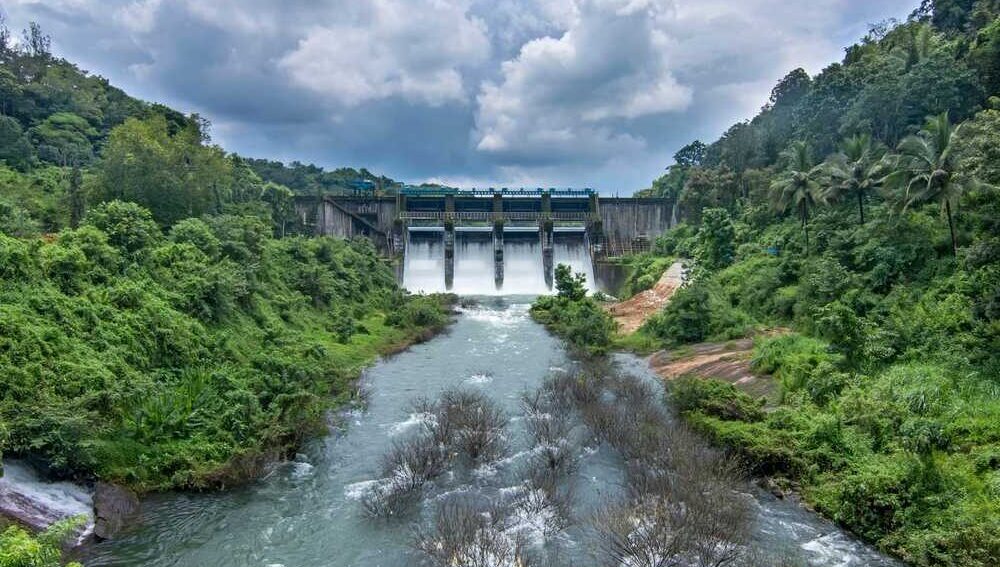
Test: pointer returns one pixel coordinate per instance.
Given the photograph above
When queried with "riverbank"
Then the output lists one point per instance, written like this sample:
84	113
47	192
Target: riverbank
190	359
312	511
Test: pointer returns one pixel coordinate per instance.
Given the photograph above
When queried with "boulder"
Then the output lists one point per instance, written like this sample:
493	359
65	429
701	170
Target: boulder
114	508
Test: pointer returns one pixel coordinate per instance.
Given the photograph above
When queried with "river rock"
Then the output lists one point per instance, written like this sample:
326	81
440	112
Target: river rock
114	507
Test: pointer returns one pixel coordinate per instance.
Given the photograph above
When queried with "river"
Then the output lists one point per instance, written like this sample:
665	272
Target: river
308	513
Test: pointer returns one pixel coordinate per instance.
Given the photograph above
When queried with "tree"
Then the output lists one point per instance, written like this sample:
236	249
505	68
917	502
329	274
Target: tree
77	200
791	88
856	170
798	186
15	149
925	170
691	155
174	175
280	199
568	285
129	227
715	240
36	43
64	138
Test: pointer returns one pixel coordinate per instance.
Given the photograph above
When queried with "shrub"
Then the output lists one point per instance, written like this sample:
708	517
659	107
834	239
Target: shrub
583	323
129	227
716	398
695	313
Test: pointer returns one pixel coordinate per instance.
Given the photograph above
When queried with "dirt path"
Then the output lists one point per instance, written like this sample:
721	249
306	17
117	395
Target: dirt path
633	312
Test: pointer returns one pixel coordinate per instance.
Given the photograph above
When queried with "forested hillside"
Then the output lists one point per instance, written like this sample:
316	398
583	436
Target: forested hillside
857	219
155	329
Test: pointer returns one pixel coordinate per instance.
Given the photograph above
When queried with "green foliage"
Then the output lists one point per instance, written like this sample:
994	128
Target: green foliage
680	241
795	361
574	316
715	240
128	226
18	548
715	398
697	312
906	457
643	270
173	174
569	285
185	361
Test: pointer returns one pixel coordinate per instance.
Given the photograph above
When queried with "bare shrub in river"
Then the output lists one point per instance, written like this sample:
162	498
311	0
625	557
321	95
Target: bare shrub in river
411	463
681	506
469	532
406	468
458	423
472	424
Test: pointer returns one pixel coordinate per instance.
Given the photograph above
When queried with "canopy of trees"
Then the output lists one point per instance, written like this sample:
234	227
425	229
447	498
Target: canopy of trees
859	215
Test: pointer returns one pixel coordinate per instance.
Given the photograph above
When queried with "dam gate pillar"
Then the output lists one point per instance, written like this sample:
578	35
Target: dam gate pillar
498	241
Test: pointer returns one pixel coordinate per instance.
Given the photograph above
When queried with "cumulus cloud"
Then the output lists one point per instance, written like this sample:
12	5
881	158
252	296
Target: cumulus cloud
534	92
571	97
413	49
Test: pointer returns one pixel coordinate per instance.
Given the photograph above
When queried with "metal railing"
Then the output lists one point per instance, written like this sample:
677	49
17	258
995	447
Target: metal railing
618	249
489	215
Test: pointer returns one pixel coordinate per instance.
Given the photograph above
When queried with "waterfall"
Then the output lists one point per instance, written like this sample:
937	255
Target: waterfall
424	260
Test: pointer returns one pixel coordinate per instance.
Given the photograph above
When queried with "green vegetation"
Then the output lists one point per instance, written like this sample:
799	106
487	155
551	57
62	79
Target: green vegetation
18	548
574	316
884	260
156	329
312	180
643	271
187	358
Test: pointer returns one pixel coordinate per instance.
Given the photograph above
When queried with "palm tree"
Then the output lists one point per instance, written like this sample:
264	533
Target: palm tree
798	186
856	170
926	171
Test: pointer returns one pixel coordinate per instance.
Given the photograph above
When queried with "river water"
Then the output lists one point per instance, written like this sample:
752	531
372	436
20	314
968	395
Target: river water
307	513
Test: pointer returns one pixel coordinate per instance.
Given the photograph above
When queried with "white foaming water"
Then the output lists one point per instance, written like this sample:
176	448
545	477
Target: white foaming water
413	420
572	250
424	264
478	379
474	264
32	501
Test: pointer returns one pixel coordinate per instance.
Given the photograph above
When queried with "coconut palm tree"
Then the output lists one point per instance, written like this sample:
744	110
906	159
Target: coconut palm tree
857	170
926	170
798	186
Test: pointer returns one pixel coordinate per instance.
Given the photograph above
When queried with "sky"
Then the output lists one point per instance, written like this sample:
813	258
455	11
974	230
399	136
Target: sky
565	93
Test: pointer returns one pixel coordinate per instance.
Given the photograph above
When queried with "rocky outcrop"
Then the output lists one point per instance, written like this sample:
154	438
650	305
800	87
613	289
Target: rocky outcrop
114	508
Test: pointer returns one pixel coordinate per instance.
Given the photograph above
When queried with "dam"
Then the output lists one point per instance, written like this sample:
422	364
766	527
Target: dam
491	240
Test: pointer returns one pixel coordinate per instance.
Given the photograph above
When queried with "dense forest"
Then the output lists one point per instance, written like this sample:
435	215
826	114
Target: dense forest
155	330
853	227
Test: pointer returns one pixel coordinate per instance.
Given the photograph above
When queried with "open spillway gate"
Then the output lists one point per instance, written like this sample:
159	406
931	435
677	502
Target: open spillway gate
602	225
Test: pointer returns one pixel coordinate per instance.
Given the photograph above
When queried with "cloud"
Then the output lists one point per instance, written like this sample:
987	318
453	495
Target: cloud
570	98
412	49
538	92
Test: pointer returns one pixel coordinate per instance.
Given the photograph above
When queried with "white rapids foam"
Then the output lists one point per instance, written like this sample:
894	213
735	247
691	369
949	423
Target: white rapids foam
39	504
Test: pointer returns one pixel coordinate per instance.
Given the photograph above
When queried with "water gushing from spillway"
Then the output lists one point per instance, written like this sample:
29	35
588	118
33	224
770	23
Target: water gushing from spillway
523	266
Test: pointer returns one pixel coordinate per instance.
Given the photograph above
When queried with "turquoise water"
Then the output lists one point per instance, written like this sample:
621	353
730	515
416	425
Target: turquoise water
307	513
